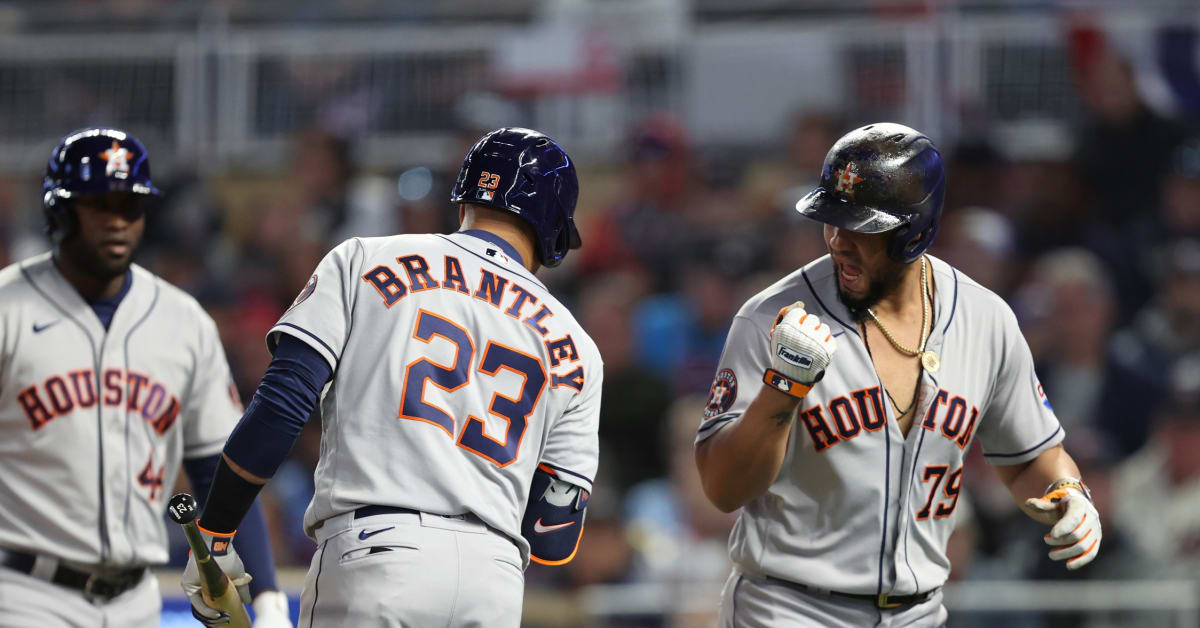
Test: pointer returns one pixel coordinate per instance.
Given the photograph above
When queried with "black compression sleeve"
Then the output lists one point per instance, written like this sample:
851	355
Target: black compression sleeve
233	497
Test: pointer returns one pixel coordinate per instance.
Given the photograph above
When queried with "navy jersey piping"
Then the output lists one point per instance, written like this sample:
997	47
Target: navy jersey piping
953	302
101	517
804	274
128	469
526	273
569	472
887	486
720	420
505	245
312	615
913	478
1022	453
336	357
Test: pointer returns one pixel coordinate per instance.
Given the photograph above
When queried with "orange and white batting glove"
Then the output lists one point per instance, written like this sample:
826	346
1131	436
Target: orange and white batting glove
801	349
221	548
1076	534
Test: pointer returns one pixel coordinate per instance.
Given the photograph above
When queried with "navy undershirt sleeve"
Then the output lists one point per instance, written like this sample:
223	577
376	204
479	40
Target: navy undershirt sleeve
261	441
286	396
252	542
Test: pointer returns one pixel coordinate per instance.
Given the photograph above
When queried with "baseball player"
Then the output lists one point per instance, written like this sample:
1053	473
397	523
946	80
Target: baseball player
459	407
109	377
845	401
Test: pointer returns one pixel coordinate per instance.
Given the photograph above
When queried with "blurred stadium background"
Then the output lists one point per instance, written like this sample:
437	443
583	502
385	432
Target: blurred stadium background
277	129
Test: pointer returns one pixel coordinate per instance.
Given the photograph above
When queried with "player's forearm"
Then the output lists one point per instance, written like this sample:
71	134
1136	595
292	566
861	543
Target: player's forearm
1032	478
739	462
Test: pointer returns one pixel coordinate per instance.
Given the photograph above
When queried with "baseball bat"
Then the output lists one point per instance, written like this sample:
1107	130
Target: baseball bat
215	588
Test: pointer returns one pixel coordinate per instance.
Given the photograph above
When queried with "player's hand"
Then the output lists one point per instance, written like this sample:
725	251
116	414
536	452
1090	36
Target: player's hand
271	610
1076	533
221	548
801	345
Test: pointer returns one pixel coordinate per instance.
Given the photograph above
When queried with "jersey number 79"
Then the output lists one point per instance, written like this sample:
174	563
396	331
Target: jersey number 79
451	377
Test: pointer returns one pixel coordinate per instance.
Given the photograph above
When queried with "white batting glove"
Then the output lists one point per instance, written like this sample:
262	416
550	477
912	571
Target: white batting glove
271	610
1076	533
801	349
221	548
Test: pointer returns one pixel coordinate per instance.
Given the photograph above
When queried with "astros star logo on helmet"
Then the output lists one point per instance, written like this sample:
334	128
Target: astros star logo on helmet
118	161
847	178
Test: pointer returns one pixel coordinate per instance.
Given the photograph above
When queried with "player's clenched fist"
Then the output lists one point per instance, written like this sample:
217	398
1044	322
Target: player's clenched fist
801	349
1076	533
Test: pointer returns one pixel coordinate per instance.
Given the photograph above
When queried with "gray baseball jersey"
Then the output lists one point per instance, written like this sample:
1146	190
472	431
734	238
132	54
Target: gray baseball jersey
94	423
857	506
455	375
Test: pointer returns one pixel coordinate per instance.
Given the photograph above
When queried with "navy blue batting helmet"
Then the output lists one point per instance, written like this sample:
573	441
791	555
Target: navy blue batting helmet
94	160
882	177
527	173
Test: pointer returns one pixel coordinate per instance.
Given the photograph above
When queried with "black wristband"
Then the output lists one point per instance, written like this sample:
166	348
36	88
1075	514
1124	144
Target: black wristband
228	500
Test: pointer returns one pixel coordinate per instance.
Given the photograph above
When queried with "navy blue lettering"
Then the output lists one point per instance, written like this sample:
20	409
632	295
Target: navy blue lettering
418	272
454	276
956	412
60	398
35	410
574	379
535	321
491	288
873	416
844	418
386	283
523	297
135	383
822	437
85	394
562	349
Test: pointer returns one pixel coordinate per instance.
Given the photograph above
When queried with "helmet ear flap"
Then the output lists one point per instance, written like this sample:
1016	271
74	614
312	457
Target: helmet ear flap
562	244
904	247
61	222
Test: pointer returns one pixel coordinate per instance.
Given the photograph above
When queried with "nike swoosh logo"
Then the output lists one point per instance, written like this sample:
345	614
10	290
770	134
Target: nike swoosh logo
37	329
541	529
364	535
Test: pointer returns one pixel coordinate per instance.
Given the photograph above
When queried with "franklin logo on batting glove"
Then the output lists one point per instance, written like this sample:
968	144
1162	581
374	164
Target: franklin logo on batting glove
793	358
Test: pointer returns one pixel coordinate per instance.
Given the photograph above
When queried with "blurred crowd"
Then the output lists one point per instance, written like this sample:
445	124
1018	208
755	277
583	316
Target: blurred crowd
1097	249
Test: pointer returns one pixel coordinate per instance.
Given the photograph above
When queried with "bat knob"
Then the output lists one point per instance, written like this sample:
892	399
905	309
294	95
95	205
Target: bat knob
182	508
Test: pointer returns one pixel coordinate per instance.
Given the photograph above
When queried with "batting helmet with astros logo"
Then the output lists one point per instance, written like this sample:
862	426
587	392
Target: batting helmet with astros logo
528	174
883	177
92	161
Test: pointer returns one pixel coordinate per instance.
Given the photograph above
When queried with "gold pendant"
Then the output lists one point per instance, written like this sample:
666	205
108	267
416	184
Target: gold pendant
930	361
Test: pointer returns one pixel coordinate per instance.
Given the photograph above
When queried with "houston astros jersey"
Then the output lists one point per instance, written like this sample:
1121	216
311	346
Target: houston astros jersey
94	423
857	506
455	375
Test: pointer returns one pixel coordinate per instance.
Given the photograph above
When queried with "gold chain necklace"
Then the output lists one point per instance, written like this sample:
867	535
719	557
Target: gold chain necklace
929	359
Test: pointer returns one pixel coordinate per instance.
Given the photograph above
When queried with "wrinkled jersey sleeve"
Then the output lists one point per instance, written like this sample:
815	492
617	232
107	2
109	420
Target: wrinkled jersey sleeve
212	405
1019	423
320	315
739	375
573	445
